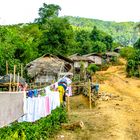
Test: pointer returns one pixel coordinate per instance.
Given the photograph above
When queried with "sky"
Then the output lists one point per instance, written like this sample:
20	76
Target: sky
25	11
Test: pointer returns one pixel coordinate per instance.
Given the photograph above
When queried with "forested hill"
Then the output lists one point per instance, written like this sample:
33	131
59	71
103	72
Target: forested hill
122	32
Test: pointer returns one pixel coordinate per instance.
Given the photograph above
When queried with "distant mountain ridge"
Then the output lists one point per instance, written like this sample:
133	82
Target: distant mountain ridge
122	32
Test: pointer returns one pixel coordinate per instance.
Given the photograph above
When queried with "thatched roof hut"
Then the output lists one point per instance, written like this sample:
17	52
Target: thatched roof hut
96	57
48	66
77	59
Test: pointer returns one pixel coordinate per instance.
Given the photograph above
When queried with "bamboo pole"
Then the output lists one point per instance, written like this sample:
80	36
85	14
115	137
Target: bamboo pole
17	81
21	70
14	78
89	92
10	84
68	104
6	67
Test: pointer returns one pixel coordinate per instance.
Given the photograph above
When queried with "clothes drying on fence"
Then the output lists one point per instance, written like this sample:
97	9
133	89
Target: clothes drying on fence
54	99
68	85
11	107
61	93
41	106
69	91
36	92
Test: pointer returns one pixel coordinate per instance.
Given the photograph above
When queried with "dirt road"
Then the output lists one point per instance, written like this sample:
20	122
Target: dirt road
115	119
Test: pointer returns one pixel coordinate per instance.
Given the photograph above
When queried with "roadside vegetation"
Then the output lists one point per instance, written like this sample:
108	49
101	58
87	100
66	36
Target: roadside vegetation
41	129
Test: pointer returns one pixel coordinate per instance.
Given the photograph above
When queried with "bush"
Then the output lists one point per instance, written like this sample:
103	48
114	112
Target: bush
133	65
92	68
41	129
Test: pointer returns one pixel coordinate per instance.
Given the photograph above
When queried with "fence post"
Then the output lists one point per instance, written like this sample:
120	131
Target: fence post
68	104
17	81
10	84
7	67
21	70
14	77
89	93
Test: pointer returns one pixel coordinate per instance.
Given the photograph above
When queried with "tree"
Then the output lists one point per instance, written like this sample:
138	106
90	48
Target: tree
99	47
84	42
128	52
137	44
133	65
101	40
47	11
58	38
91	69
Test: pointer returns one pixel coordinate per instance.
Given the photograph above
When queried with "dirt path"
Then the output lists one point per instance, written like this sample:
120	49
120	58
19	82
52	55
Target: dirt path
116	119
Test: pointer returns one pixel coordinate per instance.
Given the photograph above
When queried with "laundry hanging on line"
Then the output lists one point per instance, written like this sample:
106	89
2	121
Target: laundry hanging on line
41	106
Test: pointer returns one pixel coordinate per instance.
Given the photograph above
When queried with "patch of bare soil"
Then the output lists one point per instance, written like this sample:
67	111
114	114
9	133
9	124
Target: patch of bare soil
114	119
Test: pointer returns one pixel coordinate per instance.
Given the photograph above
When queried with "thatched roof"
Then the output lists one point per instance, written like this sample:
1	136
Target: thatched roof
48	64
73	55
112	54
93	54
81	58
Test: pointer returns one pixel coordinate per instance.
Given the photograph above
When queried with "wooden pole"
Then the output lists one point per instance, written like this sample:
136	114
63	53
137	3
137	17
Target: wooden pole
21	70
14	77
89	93
68	104
6	67
10	84
17	81
30	86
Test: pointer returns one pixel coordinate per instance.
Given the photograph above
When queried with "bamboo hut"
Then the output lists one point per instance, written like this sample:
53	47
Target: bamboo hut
78	60
48	68
96	57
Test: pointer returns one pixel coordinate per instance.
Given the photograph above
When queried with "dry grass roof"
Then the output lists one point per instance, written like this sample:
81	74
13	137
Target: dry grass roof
48	64
81	58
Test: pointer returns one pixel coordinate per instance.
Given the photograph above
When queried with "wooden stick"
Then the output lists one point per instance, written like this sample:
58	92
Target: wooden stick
17	81
21	70
68	104
14	77
6	67
10	84
89	92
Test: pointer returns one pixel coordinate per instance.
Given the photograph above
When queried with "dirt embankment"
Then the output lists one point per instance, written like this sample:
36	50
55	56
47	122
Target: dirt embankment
115	119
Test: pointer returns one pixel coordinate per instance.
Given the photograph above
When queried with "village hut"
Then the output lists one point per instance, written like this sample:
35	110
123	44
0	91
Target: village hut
111	56
48	68
78	60
96	57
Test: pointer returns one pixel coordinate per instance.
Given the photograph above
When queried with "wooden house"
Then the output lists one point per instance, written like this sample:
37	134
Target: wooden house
96	58
110	56
78	60
48	68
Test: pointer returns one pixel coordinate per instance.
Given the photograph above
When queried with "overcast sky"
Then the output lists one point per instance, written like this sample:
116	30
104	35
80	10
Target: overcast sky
24	11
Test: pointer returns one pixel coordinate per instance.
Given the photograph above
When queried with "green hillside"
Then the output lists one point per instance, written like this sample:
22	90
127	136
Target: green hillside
122	32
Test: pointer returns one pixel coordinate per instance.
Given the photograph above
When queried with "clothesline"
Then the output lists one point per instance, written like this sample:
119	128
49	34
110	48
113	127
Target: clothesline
37	106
